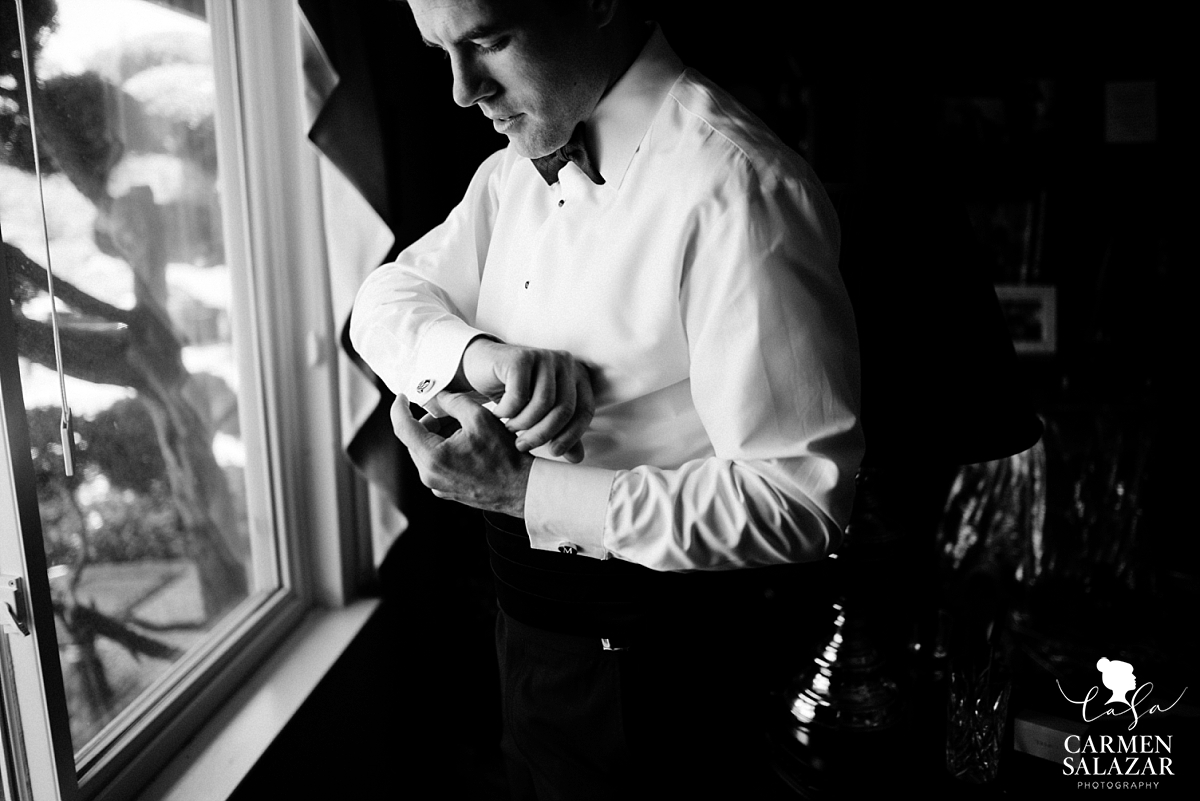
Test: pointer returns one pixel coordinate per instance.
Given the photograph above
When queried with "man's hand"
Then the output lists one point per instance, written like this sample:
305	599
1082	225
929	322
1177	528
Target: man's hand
474	462
545	395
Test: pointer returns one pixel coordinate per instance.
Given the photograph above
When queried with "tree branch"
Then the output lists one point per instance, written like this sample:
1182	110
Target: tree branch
87	619
21	266
96	356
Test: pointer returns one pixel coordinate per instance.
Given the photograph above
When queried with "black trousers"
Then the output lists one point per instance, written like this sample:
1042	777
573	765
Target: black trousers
677	714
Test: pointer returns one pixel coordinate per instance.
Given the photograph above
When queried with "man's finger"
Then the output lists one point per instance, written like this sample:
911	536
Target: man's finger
407	429
550	426
442	426
518	384
545	396
463	408
568	442
575	453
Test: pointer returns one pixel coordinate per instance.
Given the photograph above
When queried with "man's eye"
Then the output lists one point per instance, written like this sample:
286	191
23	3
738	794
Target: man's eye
492	47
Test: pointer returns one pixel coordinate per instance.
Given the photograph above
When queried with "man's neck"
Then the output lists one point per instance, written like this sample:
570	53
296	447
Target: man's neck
630	37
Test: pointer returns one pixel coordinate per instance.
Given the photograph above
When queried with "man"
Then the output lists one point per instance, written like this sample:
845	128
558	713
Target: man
643	287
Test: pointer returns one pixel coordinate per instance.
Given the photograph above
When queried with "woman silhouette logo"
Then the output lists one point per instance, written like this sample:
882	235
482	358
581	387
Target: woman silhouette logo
1118	677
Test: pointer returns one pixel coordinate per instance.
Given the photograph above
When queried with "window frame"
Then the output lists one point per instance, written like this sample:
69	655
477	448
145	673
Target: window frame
274	240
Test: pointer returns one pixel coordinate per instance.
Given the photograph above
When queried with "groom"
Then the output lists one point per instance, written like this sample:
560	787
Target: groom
637	357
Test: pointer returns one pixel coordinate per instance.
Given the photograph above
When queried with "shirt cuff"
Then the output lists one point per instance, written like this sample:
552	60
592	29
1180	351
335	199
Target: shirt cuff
438	357
566	507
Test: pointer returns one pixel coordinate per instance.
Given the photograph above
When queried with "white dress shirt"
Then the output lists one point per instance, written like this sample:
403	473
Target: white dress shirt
699	282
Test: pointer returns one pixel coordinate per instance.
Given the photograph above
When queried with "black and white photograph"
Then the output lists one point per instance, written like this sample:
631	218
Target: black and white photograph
575	400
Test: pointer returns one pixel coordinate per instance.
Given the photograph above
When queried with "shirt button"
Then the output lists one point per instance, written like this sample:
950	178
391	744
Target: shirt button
560	203
424	385
568	548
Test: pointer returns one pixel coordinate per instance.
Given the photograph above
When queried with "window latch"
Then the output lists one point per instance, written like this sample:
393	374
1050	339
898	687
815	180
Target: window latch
12	605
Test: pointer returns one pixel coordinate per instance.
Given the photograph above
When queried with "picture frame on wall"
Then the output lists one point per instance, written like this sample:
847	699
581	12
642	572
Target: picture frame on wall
1030	311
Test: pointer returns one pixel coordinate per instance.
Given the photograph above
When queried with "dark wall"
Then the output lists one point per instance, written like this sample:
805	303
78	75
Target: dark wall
876	99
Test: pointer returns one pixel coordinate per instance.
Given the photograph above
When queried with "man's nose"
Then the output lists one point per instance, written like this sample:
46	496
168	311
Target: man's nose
471	82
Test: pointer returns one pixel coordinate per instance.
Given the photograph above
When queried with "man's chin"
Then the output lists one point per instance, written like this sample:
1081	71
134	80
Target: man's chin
534	147
521	148
527	150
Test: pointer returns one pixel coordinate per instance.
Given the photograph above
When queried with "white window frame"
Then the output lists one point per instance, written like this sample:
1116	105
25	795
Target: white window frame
273	222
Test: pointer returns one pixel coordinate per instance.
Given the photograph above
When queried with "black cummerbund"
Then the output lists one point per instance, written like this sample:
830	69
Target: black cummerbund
574	594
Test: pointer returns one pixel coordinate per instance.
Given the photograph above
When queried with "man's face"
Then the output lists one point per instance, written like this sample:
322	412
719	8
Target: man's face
535	68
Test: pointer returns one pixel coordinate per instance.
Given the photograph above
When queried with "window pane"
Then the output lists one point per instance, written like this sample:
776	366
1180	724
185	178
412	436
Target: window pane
149	543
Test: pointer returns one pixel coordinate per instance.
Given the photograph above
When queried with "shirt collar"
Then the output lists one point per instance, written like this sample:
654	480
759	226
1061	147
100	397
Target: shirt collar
624	114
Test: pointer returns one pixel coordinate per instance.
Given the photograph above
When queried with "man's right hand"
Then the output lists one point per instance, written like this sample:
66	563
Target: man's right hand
545	395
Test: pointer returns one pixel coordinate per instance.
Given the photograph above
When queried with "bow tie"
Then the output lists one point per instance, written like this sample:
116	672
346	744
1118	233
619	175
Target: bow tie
574	150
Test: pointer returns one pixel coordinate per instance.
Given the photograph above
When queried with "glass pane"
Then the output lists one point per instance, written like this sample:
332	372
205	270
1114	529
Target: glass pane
149	544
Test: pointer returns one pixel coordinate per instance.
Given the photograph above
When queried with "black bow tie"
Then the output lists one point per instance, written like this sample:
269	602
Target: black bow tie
575	151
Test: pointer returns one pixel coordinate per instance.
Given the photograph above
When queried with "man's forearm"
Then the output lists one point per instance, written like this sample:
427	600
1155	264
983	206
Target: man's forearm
413	318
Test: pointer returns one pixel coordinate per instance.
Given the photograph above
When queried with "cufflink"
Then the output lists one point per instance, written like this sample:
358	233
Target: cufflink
568	548
424	385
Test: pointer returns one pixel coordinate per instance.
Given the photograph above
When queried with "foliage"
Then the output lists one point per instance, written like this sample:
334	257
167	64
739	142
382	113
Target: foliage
158	87
132	56
128	514
85	103
178	100
16	145
146	484
122	442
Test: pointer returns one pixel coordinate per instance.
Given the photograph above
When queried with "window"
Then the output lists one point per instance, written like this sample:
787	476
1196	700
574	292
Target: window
203	516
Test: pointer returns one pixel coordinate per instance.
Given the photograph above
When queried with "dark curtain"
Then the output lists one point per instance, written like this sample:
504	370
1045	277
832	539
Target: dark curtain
390	127
428	669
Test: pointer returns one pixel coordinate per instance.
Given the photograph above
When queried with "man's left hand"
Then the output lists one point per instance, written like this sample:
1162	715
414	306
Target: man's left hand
476	464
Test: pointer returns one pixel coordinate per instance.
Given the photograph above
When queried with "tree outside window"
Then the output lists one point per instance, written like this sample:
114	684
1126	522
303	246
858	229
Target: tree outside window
148	543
